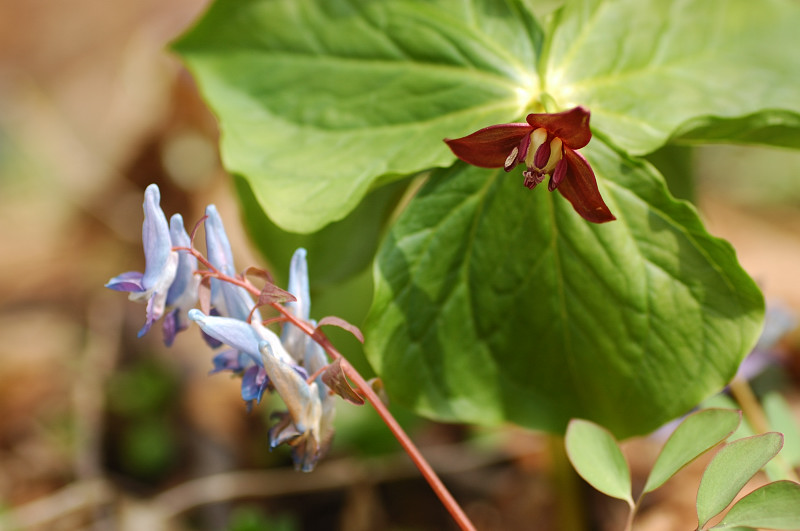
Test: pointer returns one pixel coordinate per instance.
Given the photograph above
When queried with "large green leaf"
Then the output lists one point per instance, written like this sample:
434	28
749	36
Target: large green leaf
733	466
319	98
494	303
596	456
649	69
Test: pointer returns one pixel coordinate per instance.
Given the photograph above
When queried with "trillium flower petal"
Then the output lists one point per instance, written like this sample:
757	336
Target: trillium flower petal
571	126
546	144
489	147
579	187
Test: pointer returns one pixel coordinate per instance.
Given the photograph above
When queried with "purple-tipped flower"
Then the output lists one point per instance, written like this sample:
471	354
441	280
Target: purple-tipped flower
308	352
245	358
547	144
315	359
293	339
262	359
300	428
265	361
161	262
229	300
182	294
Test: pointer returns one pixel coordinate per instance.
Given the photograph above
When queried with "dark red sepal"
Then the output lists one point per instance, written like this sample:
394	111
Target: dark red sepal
579	187
489	147
571	126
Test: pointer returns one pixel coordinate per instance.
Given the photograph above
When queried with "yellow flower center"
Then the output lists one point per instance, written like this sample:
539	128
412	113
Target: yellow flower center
542	156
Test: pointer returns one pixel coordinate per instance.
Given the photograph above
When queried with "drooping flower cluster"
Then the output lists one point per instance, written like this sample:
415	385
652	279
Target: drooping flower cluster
265	362
547	144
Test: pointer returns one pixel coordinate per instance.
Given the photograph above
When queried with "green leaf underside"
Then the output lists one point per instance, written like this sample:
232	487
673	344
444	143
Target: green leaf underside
773	506
317	99
595	455
494	303
337	252
732	467
695	435
707	62
722	400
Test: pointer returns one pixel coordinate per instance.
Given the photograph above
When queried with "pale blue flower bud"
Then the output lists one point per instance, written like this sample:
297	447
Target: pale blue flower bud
161	262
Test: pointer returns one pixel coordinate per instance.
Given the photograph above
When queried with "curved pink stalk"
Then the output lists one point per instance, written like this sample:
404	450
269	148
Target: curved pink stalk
363	387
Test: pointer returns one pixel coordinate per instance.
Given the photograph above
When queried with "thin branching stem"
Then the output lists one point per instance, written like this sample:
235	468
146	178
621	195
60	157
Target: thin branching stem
632	509
754	414
364	389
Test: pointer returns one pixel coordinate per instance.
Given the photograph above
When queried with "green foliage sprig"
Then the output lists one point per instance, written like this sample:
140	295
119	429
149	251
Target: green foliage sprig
596	456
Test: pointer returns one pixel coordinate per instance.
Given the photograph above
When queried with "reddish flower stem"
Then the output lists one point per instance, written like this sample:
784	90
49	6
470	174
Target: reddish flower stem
364	388
402	437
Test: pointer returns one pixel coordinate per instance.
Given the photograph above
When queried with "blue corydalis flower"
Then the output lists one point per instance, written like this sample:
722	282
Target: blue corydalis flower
293	339
229	300
315	359
308	352
300	426
259	357
245	358
161	262
182	294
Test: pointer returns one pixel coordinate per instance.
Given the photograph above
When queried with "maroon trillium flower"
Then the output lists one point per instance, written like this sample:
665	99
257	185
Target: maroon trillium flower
547	145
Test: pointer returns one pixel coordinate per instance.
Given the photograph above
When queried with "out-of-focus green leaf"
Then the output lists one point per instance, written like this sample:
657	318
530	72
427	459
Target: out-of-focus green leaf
731	469
147	448
694	436
253	519
773	506
769	127
674	162
595	455
781	419
724	401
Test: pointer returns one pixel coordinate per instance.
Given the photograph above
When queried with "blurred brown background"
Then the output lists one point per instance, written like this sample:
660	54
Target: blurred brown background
100	430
